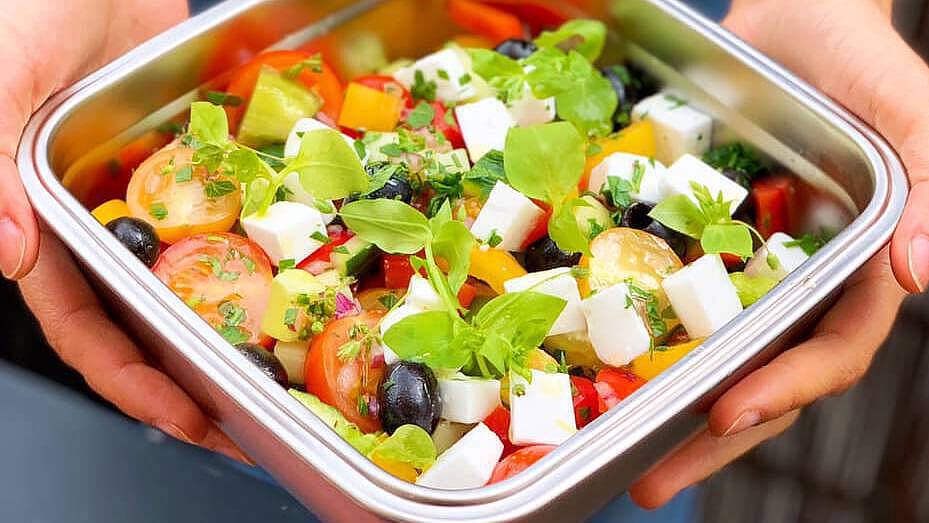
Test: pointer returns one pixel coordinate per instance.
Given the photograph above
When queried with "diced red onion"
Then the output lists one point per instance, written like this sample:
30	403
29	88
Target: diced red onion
345	306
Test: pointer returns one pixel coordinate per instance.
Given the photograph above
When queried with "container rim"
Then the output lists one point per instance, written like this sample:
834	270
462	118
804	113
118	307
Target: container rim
600	443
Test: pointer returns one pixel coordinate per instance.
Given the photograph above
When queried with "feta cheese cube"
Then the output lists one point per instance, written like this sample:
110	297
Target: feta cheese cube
303	126
690	169
468	400
614	326
469	463
285	231
560	284
541	412
650	173
296	193
679	128
446	68
293	356
703	296
788	258
484	126
389	320
529	110
422	295
509	214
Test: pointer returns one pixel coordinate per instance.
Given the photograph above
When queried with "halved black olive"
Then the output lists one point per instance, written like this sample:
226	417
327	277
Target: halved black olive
137	236
409	395
516	48
544	254
636	217
631	85
266	361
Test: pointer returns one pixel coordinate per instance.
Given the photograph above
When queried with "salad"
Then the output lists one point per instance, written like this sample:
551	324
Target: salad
459	261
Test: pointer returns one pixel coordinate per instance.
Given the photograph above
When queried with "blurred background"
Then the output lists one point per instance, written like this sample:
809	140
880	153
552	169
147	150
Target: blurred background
66	455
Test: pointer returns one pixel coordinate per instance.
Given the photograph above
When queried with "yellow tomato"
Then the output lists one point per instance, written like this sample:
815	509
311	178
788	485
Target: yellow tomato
494	267
369	109
648	366
110	211
638	138
180	199
576	346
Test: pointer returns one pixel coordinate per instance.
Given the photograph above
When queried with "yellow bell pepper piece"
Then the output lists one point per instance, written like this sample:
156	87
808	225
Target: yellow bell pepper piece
648	366
472	41
110	211
369	109
494	267
638	138
404	471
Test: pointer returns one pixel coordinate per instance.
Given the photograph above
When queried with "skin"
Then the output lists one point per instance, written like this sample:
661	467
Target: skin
863	64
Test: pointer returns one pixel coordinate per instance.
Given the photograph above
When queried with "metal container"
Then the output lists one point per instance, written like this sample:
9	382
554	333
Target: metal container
750	97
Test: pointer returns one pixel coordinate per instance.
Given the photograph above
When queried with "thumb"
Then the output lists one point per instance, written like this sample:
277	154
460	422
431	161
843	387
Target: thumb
849	50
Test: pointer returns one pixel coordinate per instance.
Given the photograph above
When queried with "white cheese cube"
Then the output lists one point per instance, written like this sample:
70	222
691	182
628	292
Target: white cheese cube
541	412
560	284
303	126
509	214
293	356
484	126
703	296
296	193
447	68
468	400
469	463
422	295
389	320
788	258
629	167
285	231
614	326
690	169
679	128
529	110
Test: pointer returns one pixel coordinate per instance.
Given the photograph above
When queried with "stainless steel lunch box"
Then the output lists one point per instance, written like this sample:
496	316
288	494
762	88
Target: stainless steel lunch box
751	98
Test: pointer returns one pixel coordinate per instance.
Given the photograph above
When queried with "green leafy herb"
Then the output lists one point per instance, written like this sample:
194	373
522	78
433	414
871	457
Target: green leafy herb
565	230
583	96
736	157
751	289
409	444
290	317
392	225
485	174
545	162
329	168
619	191
587	37
653	313
594	228
233	335
233	315
221	98
811	243
464	79
423	89
421	116
594	149
313	64
331	416
494	239
321	238
389	300
185	174
158	211
219	188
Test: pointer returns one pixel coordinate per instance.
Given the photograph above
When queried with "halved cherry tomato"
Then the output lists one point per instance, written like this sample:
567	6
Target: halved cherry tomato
176	206
586	401
387	84
348	385
484	20
538	14
615	385
223	277
444	122
772	204
397	271
498	422
519	461
541	226
466	295
326	84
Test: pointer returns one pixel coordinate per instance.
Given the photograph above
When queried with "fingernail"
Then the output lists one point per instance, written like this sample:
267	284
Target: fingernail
12	248
745	421
917	258
176	432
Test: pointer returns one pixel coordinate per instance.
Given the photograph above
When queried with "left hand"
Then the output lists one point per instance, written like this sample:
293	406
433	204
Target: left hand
849	50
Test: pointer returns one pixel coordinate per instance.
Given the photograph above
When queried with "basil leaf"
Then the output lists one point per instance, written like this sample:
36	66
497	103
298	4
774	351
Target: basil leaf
591	101
429	338
409	444
545	162
678	212
587	37
522	318
258	195
751	289
487	172
421	116
392	225
565	231
208	123
489	64
453	243
329	168
732	238
245	165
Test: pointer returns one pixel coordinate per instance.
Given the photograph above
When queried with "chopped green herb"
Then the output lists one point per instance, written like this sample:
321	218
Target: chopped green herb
442	73
184	175
594	149
286	264
494	239
321	238
811	243
423	89
421	116
233	315
233	335
676	101
464	79
341	249
221	98
363	408
313	64
219	188
519	389
290	317
579	272
158	211
388	300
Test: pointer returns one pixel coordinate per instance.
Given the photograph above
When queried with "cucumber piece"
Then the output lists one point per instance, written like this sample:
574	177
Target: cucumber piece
276	106
359	256
285	289
595	215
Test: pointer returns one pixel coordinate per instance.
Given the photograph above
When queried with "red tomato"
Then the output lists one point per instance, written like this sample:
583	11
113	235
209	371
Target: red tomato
466	295
541	227
338	236
388	85
484	20
499	423
350	386
325	84
731	261
538	14
210	271
615	385
443	122
519	461
586	401
397	271
772	204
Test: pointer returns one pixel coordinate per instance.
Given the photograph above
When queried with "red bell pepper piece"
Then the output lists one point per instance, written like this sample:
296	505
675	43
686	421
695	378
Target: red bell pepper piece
484	20
541	227
772	204
586	401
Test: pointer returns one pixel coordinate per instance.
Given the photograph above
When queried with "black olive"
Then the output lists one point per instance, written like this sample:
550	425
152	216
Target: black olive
397	187
409	395
544	254
266	361
516	48
636	217
138	236
631	85
746	210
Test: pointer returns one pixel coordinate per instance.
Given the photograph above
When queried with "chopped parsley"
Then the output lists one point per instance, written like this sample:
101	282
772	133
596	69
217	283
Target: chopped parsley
288	263
219	188
494	239
321	238
388	300
314	64
221	98
423	89
421	116
158	211
185	174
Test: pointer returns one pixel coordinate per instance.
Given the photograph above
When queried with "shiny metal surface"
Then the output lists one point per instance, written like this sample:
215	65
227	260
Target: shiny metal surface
754	100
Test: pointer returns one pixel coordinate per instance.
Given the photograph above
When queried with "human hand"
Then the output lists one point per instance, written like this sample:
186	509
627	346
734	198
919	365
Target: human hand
46	45
849	50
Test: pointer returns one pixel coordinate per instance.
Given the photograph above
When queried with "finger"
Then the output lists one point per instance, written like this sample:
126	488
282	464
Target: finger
835	358
80	331
19	233
698	459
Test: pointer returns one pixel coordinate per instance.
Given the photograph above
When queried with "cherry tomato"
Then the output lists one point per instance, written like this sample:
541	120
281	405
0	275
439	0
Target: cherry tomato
176	206
586	401
539	14
326	84
444	122
337	236
615	385
466	295
498	422
484	20
388	85
397	271
348	385
519	461
541	227
772	204
223	277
